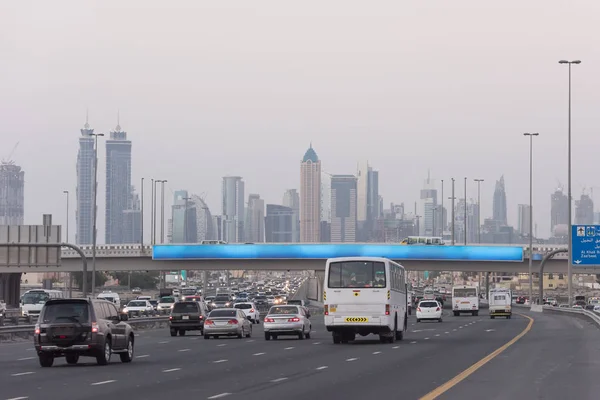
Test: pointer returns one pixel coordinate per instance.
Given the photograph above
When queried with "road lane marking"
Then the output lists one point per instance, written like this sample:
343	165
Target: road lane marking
18	398
172	370
317	343
182	350
322	367
437	334
446	333
163	342
222	345
395	347
434	394
249	341
426	338
490	330
218	396
258	354
288	348
219	361
23	373
278	380
143	356
352	359
453	330
102	383
26	358
376	352
31	349
413	342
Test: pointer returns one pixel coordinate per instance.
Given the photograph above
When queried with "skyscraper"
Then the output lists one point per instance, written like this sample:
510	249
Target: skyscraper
559	209
428	207
325	197
291	199
119	193
368	204
499	203
362	191
183	219
343	208
12	194
279	227
584	210
233	209
84	213
310	197
255	219
523	219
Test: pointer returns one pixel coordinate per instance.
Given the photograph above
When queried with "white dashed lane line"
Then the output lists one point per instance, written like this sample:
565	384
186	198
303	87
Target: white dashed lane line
102	383
352	359
222	345
376	352
143	356
279	380
172	370
288	348
182	350
321	367
18	398
26	358
218	396
219	361
413	342
23	374
258	354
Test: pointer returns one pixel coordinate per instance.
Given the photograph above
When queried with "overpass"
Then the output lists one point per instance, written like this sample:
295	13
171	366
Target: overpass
299	256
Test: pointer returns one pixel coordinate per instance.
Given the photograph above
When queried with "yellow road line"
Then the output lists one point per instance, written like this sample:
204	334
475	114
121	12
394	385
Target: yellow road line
435	393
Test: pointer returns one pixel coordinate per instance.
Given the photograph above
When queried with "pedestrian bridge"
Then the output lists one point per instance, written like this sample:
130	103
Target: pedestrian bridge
307	256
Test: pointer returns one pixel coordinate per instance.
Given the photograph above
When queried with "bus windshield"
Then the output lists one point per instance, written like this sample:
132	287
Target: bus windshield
467	292
356	274
35	297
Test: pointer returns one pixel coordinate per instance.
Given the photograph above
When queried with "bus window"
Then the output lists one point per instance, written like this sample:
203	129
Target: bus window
356	274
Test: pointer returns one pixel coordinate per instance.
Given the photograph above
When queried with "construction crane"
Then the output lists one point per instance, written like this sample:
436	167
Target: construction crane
8	158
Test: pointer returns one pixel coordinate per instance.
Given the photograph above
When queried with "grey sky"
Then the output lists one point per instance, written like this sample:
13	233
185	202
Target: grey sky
210	88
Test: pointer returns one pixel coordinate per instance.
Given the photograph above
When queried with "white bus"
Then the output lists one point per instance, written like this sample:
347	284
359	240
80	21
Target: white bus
365	295
465	299
500	302
32	301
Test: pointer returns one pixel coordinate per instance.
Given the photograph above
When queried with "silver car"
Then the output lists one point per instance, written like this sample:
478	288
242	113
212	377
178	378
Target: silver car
287	320
227	322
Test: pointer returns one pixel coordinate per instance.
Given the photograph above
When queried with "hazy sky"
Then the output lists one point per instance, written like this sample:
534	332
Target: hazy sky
213	88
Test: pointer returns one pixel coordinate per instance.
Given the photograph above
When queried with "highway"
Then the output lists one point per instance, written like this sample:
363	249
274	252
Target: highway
557	357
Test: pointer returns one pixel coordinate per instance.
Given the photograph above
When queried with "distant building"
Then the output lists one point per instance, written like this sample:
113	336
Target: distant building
279	224
183	219
233	209
343	208
255	219
310	197
119	195
499	202
584	210
291	199
12	194
84	213
523	219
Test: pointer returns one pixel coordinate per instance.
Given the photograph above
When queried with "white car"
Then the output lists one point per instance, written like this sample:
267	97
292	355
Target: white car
249	310
138	307
165	304
429	309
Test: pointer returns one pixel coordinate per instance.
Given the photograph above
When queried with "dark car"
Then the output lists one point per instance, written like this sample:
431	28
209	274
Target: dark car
187	316
222	301
261	301
72	328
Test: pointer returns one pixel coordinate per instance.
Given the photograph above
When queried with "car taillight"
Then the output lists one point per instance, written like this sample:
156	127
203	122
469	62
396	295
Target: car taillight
170	317
437	309
200	317
37	329
94	327
419	309
326	309
208	322
232	322
387	309
295	319
252	310
269	320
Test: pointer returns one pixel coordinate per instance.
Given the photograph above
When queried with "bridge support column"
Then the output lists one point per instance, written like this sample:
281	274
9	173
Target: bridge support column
487	285
10	289
320	275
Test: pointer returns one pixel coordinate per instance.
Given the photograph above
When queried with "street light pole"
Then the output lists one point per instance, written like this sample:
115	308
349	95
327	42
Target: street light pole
95	215
142	215
70	274
531	135
452	205
442	214
465	212
162	209
478	209
151	214
154	211
570	233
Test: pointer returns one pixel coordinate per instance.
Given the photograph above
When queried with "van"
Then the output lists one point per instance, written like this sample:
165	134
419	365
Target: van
110	296
32	301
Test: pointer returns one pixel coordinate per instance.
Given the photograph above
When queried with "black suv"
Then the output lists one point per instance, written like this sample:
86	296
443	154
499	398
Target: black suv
82	327
187	316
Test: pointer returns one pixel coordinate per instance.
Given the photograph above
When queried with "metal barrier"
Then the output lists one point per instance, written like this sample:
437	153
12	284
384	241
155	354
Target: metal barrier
591	315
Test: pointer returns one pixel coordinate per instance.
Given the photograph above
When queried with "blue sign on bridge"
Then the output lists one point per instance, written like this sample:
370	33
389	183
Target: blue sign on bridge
325	251
585	246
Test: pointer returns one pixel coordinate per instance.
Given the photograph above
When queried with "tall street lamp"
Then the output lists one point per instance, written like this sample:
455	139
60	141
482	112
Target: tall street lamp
70	274
478	209
465	212
531	135
95	214
142	215
452	205
162	209
442	214
569	266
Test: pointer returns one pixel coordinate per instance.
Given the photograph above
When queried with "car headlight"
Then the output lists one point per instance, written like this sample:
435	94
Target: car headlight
125	310
172	305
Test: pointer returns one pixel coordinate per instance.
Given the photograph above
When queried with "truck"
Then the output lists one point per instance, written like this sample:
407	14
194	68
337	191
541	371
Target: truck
500	303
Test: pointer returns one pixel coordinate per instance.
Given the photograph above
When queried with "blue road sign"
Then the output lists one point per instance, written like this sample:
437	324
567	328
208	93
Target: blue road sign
585	246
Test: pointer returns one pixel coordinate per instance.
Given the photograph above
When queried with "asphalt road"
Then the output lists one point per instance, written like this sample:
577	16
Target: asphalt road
431	354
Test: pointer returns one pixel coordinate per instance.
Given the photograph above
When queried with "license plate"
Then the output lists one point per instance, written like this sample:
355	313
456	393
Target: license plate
185	317
356	319
220	323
